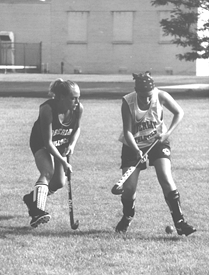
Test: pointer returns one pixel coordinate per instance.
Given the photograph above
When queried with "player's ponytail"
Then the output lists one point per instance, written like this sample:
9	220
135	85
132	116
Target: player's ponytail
54	87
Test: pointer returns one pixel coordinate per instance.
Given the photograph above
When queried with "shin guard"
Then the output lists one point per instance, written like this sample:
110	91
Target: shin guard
128	207
40	195
173	201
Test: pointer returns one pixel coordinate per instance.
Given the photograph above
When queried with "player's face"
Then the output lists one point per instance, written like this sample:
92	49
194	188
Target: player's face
144	98
72	99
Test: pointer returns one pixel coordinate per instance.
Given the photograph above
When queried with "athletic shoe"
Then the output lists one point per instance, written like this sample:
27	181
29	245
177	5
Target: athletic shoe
39	218
28	200
123	224
183	228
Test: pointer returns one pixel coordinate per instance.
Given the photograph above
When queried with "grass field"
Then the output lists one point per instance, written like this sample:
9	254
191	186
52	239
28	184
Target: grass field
95	248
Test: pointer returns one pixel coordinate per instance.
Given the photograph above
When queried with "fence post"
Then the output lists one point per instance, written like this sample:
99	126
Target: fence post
40	53
24	56
62	67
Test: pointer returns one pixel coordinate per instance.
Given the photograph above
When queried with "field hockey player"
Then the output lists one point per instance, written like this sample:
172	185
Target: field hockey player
53	136
142	115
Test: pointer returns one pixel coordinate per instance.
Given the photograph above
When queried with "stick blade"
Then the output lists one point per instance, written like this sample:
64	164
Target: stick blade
117	189
75	225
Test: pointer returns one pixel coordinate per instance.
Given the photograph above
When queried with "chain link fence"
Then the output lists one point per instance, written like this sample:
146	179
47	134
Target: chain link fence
20	57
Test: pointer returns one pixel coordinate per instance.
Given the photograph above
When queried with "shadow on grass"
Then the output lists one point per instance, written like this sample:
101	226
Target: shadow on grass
5	218
8	231
27	230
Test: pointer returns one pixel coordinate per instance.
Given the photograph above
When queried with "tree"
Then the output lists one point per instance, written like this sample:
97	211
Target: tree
189	26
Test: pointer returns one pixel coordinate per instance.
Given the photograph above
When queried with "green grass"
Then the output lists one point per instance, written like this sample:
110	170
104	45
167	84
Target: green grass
94	248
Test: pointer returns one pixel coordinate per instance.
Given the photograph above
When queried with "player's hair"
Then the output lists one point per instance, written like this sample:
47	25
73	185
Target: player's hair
60	87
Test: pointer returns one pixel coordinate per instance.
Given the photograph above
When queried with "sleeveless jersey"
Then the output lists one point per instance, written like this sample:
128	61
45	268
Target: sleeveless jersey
61	133
145	124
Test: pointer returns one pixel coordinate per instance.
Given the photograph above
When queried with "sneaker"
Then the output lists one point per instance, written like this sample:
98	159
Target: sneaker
39	218
28	200
183	228
123	224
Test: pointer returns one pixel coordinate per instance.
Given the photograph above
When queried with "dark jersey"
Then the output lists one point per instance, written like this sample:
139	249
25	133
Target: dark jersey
61	133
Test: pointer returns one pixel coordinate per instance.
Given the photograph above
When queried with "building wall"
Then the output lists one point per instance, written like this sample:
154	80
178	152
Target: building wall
35	21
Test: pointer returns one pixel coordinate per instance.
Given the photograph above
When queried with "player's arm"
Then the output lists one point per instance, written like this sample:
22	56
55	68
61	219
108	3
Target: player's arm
46	129
127	128
76	134
169	102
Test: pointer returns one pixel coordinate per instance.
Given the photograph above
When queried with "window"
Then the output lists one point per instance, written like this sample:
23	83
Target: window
164	38
77	26
122	27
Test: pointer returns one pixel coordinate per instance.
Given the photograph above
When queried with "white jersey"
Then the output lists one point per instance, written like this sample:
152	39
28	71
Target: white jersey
145	124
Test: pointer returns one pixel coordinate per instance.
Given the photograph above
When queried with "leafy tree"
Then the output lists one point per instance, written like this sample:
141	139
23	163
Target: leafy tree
188	25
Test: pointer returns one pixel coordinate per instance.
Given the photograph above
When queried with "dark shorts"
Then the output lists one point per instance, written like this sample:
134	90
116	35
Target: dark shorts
36	141
129	157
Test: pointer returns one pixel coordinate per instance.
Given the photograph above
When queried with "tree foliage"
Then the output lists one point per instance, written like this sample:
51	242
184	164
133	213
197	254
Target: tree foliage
188	25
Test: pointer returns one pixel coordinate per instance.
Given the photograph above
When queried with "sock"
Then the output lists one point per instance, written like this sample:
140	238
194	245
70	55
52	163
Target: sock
173	201
128	208
39	195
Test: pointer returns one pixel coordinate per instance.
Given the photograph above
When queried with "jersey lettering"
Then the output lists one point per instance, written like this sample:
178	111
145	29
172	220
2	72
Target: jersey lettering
60	142
61	132
146	125
146	137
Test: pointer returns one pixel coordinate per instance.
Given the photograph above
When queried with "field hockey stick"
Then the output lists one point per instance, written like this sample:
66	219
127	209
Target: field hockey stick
118	187
74	225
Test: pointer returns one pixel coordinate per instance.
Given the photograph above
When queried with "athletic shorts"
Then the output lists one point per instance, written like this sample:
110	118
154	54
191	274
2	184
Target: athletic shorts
129	157
37	143
36	140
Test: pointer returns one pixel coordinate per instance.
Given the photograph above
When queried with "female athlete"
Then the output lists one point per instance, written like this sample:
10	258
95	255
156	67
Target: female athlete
53	136
142	115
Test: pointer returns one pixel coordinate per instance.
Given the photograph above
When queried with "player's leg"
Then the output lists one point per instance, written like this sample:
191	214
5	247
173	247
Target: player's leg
172	196
128	200
58	179
129	158
36	200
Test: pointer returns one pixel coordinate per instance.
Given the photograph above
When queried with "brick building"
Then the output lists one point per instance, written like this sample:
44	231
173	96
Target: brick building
94	36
